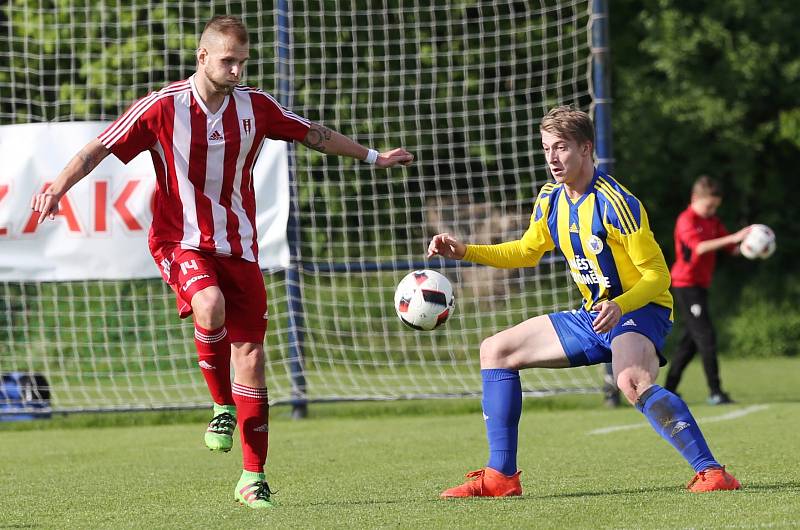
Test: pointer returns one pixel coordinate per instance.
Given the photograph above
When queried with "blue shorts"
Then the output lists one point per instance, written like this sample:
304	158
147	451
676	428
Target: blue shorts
584	346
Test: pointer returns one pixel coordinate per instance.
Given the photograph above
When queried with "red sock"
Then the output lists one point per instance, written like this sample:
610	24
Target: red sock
252	415
214	355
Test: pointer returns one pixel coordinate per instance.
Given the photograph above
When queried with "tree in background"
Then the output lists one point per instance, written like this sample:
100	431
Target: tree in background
711	88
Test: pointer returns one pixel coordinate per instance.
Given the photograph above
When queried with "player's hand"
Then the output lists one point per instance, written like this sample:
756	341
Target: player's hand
46	203
394	157
608	316
739	236
446	246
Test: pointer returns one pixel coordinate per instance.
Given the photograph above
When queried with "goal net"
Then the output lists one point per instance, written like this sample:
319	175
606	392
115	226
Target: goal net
462	85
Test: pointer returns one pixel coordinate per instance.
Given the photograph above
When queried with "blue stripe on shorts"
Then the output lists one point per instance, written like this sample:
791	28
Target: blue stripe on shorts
584	346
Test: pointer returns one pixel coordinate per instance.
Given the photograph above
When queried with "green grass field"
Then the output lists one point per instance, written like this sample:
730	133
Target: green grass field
375	465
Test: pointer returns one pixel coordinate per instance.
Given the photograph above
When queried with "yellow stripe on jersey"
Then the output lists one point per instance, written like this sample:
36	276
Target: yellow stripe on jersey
605	183
562	227
574	225
627	225
624	213
605	278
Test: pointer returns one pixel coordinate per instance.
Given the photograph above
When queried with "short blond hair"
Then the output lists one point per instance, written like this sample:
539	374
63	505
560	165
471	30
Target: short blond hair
567	122
227	25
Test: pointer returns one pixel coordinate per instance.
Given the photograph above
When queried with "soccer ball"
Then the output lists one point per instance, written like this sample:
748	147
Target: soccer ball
424	300
759	243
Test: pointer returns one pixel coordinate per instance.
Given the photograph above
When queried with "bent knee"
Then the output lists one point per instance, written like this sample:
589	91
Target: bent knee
494	354
632	382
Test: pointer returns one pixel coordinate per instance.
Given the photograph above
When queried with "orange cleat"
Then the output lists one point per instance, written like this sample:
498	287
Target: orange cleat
486	482
713	479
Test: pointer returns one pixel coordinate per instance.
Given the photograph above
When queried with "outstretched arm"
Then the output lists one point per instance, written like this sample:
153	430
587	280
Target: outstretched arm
523	252
511	254
730	240
328	141
81	165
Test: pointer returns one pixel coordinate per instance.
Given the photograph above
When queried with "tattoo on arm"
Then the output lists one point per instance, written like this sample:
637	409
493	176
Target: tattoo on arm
88	161
317	136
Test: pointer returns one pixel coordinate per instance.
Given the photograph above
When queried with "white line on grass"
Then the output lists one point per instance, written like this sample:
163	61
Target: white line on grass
722	417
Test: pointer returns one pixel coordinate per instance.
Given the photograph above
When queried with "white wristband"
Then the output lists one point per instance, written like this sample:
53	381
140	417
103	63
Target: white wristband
372	156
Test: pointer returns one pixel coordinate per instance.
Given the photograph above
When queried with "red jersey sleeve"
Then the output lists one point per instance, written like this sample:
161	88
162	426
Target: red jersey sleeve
279	123
135	130
686	233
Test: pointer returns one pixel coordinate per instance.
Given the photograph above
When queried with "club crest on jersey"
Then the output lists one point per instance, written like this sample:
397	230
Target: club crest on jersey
594	244
246	126
215	136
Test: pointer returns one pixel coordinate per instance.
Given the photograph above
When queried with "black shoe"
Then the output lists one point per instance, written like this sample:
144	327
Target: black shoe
720	398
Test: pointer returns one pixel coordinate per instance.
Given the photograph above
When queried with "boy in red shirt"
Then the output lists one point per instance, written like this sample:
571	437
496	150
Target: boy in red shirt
699	233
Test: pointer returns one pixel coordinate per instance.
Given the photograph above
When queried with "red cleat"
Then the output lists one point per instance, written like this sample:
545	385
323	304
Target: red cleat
713	479
486	482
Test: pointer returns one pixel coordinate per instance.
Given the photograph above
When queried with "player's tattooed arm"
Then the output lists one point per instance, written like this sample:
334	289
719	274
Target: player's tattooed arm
330	142
317	137
46	202
88	160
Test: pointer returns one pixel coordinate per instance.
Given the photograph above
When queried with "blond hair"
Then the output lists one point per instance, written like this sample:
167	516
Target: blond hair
569	123
227	25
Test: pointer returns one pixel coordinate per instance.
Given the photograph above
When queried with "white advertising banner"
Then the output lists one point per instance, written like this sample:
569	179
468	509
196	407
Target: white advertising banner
102	226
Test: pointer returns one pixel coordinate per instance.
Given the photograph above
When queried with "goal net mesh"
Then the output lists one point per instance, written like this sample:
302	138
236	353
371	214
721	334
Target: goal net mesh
462	85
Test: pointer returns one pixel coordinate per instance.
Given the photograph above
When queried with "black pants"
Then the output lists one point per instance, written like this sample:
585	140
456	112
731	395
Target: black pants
698	335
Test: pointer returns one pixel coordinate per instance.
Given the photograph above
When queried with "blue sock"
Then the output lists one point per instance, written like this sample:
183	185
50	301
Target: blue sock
670	417
502	407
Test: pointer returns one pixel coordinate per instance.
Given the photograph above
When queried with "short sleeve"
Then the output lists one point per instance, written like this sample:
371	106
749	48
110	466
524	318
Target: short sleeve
279	123
135	130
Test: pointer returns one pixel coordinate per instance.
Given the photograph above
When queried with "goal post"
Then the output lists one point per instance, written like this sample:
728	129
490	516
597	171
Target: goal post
462	85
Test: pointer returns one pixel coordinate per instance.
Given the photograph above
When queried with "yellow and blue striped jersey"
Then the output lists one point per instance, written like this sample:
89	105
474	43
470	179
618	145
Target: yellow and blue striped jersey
605	237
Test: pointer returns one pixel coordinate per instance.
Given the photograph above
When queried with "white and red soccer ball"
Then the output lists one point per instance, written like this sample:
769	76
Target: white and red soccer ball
424	300
759	243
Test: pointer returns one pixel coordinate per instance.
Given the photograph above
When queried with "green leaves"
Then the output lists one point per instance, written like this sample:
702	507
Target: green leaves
705	88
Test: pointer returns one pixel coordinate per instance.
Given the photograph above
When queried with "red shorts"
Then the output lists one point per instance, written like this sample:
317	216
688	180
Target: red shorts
188	271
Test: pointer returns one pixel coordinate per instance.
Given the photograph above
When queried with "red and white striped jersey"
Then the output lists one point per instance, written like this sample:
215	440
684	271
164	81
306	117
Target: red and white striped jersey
203	162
